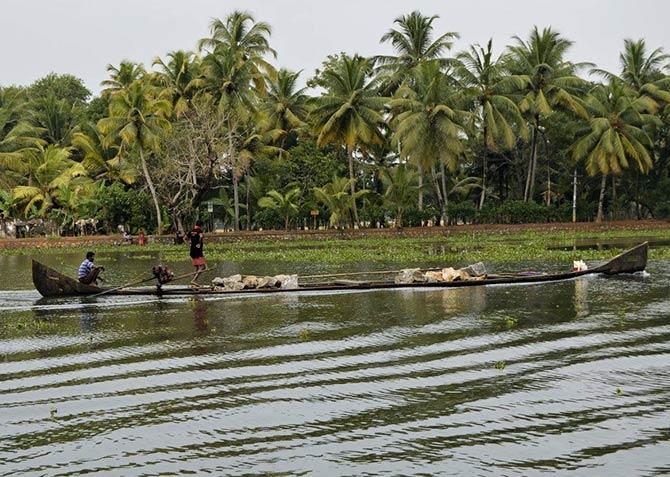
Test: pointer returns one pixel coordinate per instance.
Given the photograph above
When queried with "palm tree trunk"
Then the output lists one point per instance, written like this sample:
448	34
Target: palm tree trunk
438	192
152	189
350	153
443	171
246	182
574	196
420	204
236	200
546	154
614	210
530	176
601	199
482	196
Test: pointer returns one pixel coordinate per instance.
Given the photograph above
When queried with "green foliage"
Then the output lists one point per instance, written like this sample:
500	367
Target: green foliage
336	196
65	87
118	205
461	212
287	205
402	188
519	212
477	132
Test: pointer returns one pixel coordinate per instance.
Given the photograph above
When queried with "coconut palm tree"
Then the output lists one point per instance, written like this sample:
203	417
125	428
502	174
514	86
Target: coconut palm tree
287	205
413	43
246	39
402	187
253	143
121	77
101	157
339	200
178	78
137	117
56	118
17	134
615	137
349	111
486	84
229	83
549	82
642	71
47	170
429	125
285	106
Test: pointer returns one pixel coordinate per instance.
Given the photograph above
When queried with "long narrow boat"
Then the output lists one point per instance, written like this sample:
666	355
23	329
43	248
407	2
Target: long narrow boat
51	283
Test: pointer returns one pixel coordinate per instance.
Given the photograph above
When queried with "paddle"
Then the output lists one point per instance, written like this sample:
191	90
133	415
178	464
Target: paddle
186	275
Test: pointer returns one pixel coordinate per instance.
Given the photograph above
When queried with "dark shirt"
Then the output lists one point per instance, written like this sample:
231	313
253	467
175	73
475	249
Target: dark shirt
195	236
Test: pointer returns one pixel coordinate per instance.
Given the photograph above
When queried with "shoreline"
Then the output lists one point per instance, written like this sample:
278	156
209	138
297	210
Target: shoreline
579	228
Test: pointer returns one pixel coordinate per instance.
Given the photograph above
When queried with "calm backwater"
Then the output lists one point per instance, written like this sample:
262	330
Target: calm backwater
568	378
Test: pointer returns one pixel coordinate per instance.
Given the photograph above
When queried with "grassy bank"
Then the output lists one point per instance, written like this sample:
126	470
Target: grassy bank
489	246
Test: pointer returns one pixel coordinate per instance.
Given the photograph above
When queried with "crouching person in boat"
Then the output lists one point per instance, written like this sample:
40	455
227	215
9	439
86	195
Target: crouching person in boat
195	237
89	274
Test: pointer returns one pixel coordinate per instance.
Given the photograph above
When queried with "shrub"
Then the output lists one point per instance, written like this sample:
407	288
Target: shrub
461	212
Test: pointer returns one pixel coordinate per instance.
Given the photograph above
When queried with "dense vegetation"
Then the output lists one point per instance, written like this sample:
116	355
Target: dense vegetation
425	135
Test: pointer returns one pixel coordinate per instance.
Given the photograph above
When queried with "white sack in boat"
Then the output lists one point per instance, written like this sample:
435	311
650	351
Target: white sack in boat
433	277
288	282
267	282
409	275
450	275
250	281
579	266
233	282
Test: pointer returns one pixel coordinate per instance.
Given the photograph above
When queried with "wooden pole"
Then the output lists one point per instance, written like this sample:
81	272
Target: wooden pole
377	272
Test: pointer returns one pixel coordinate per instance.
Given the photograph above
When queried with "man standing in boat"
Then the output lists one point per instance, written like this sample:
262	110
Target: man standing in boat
195	237
88	273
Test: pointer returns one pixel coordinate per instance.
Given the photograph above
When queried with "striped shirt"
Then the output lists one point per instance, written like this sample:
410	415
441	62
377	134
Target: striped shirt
85	268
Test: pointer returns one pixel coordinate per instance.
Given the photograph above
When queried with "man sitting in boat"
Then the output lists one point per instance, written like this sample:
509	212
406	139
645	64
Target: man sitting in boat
88	273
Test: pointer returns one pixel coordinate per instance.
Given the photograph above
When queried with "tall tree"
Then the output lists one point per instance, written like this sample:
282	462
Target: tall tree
285	106
178	77
137	116
121	77
550	82
246	39
413	42
615	137
228	82
236	48
429	124
486	84
349	111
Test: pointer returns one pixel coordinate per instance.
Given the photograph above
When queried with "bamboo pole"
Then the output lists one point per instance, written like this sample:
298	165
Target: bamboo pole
376	272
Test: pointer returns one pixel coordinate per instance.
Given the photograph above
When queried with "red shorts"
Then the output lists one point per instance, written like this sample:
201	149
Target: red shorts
198	261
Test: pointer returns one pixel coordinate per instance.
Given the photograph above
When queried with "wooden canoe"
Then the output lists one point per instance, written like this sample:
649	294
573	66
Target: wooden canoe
51	283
